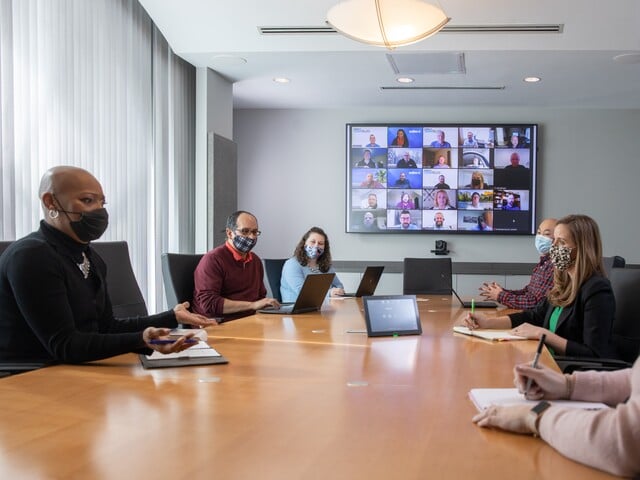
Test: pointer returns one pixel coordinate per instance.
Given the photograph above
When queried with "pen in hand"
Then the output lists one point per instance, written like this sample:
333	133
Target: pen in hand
535	362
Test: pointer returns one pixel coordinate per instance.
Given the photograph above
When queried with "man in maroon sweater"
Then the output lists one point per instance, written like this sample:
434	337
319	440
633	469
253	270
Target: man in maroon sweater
229	279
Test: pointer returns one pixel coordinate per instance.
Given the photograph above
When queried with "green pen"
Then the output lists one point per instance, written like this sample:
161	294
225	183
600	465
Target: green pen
473	305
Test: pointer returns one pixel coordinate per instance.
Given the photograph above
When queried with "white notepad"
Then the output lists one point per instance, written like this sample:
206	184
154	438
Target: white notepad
487	334
483	398
201	350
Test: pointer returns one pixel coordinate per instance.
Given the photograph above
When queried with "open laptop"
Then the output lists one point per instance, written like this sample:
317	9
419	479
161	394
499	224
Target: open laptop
476	303
391	315
368	282
312	294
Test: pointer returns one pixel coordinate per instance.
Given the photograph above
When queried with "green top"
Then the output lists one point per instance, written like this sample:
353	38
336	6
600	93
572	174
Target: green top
553	321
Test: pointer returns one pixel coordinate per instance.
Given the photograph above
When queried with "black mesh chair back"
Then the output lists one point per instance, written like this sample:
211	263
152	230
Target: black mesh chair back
625	283
125	294
613	262
273	271
427	276
177	276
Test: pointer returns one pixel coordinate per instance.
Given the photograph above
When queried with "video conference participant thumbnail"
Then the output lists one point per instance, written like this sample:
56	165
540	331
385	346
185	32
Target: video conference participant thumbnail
369	157
368	178
476	159
512	221
439	220
475	178
476	137
513	200
368	220
404	178
405	199
404	137
368	199
441	158
475	221
438	199
404	220
440	137
404	158
513	137
438	179
368	137
475	199
512	169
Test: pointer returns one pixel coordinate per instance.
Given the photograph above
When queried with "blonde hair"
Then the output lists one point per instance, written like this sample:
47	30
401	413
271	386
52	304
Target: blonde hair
588	259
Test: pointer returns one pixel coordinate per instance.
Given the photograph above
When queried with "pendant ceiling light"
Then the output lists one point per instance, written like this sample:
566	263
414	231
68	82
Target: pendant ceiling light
387	23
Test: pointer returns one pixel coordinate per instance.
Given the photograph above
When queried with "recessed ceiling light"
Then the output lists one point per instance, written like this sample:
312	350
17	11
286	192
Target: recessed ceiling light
404	80
281	80
532	79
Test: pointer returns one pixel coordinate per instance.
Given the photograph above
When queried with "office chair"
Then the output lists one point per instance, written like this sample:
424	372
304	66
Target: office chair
177	276
125	294
427	276
273	271
613	262
11	368
625	335
4	245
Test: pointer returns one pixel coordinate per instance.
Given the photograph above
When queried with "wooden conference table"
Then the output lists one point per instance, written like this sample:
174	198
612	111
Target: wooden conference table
300	399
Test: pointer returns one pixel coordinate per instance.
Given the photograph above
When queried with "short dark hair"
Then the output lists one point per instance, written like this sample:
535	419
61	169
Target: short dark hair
232	220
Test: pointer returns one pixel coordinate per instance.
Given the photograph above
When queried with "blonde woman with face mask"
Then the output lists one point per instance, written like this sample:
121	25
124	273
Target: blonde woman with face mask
577	314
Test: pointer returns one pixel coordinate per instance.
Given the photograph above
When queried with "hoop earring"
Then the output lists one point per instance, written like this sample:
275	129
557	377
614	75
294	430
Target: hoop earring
53	214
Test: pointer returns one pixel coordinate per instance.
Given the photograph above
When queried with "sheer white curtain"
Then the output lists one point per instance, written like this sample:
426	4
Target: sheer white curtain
94	84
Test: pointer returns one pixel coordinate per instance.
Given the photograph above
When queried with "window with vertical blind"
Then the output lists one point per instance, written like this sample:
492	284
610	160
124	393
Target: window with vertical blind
95	85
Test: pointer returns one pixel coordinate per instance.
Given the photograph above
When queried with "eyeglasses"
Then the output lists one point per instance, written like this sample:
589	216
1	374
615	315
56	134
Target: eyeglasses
245	232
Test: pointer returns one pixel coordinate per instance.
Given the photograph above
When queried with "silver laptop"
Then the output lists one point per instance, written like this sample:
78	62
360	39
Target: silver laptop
368	282
312	294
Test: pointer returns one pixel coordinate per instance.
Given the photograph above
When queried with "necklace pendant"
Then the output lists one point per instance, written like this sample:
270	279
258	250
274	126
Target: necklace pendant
85	266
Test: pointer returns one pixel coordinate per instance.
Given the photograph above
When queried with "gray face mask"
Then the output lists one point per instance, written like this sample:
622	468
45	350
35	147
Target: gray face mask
561	257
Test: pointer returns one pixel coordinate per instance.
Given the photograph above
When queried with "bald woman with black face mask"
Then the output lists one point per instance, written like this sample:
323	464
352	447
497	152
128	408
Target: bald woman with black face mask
54	304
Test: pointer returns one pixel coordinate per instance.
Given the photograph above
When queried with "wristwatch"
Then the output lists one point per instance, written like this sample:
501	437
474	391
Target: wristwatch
536	413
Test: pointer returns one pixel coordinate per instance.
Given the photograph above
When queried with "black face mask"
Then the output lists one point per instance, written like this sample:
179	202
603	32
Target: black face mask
92	224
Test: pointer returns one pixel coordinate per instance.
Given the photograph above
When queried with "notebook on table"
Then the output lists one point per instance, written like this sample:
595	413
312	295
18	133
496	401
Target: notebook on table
493	335
476	303
312	294
368	282
483	398
200	354
391	315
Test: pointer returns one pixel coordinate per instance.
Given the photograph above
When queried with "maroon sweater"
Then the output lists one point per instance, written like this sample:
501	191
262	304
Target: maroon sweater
221	274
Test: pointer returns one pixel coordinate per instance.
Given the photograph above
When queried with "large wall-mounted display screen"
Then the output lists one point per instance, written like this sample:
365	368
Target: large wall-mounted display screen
457	178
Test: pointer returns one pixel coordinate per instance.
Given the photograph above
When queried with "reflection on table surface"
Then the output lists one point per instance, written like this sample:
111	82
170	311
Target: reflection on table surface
301	398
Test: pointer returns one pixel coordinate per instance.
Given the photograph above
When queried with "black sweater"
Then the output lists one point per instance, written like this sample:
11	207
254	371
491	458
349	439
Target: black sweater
49	312
586	324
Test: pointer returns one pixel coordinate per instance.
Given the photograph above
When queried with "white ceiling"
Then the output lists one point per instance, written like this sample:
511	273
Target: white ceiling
329	70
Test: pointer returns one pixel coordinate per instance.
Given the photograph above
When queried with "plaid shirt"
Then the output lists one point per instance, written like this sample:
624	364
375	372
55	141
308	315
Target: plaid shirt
540	283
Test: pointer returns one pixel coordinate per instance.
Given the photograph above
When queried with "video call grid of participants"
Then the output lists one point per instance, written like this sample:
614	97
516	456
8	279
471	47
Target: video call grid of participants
440	178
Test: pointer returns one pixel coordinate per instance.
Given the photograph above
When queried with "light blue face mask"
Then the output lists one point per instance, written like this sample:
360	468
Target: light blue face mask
313	251
543	244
